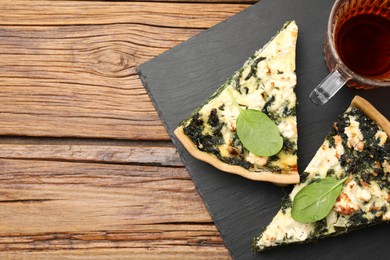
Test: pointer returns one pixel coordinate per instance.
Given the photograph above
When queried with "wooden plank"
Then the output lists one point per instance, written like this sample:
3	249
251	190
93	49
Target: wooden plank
173	253
51	206
177	1
130	154
157	237
79	80
62	193
160	14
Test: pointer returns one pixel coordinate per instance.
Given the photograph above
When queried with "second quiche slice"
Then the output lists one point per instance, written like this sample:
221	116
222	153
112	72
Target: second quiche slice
265	83
357	152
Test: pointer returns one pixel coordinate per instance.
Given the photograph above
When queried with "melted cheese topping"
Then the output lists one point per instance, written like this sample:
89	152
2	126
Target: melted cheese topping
326	158
284	227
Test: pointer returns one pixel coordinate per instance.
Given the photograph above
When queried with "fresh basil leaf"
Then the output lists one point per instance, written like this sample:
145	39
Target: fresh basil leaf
257	132
314	201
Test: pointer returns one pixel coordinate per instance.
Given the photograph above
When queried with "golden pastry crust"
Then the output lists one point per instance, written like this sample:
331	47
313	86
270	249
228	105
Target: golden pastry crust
273	177
370	111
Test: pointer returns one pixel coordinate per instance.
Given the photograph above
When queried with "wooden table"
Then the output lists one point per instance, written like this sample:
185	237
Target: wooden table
86	167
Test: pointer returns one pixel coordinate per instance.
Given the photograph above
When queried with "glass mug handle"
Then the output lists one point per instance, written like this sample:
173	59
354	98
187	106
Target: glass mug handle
328	87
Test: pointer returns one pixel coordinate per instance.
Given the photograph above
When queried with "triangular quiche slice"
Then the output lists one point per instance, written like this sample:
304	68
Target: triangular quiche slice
266	82
356	149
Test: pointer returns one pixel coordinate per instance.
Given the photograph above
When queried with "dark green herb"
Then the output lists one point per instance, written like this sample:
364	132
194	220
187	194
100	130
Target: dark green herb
288	112
320	228
253	70
286	203
330	172
236	80
256	61
217	130
195	128
213	118
267	104
250	74
314	202
205	143
303	176
289	146
331	141
237	161
358	218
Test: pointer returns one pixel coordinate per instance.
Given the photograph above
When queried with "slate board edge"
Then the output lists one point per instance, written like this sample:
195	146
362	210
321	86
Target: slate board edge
177	143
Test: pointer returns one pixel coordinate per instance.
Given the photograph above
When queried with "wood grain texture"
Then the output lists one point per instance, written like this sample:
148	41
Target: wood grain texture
130	154
160	14
81	82
143	210
176	252
68	68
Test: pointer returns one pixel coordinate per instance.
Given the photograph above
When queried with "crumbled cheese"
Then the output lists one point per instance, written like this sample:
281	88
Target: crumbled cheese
386	217
258	160
382	137
285	228
386	166
331	220
354	134
324	159
345	205
288	127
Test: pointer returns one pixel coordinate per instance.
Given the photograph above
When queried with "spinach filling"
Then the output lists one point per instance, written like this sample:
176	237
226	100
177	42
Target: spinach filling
320	228
288	111
267	104
205	143
209	143
289	146
286	204
253	70
303	177
358	218
367	163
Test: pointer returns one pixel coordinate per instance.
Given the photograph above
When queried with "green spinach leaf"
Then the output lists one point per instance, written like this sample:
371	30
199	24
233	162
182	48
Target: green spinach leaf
257	132
314	201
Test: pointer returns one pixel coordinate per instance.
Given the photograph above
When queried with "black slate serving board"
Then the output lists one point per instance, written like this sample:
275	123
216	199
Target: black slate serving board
179	80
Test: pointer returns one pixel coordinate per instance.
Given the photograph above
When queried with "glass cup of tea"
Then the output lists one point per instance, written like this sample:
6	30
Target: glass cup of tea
357	47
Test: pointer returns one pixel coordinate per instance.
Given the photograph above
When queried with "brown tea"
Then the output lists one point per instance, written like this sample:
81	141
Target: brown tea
363	43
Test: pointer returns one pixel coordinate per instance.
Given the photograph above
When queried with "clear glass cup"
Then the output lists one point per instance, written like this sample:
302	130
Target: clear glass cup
340	73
